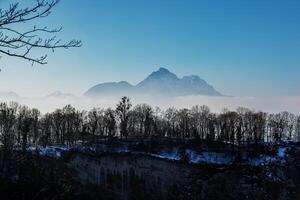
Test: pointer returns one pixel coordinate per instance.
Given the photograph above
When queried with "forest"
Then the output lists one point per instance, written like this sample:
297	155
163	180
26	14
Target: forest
21	126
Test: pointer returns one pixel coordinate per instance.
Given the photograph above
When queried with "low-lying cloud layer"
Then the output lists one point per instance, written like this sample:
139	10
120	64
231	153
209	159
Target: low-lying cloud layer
267	104
216	104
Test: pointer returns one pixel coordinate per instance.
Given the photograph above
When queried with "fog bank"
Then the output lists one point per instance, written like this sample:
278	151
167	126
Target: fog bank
216	104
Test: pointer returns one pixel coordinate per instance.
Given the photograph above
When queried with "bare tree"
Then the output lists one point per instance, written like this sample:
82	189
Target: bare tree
69	113
94	118
122	111
170	115
35	122
7	121
144	114
20	43
20	125
183	116
110	122
26	121
291	125
58	125
278	123
46	136
200	116
297	127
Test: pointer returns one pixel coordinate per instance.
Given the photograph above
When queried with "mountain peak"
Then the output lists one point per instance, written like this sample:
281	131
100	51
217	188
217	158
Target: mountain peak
125	83
157	81
163	70
161	73
160	82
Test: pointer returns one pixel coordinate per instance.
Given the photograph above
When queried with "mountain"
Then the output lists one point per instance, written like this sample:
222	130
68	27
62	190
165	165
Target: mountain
159	83
59	94
110	89
9	96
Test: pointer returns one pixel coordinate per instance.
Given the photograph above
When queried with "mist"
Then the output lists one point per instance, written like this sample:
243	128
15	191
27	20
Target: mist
216	104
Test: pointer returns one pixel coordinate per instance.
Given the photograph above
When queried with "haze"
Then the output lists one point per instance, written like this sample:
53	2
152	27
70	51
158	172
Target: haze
249	50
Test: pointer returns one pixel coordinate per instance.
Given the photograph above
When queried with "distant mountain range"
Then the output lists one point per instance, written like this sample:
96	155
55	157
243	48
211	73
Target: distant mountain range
59	94
159	83
9	95
15	96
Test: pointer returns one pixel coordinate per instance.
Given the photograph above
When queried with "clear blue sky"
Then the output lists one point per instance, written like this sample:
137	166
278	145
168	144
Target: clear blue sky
243	48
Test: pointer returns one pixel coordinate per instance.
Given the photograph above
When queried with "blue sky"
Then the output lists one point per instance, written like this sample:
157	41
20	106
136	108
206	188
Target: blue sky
242	48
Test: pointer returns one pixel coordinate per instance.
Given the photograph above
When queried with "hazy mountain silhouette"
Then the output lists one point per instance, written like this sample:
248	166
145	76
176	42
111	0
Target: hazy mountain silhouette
161	82
9	95
59	94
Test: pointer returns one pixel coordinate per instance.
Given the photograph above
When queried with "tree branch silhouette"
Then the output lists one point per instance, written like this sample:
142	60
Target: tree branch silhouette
17	43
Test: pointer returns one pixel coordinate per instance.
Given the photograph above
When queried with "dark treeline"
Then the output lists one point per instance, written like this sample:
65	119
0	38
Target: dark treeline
22	126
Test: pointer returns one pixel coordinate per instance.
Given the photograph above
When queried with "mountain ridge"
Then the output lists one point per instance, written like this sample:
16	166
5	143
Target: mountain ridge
9	95
160	83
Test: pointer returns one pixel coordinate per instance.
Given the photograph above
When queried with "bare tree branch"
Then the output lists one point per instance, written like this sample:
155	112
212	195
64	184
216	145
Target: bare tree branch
20	44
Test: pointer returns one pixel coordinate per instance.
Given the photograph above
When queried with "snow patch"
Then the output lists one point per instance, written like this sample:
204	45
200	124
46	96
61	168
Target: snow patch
209	157
266	160
169	156
281	152
51	151
263	160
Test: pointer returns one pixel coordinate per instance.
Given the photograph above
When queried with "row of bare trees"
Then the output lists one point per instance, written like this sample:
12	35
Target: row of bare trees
21	126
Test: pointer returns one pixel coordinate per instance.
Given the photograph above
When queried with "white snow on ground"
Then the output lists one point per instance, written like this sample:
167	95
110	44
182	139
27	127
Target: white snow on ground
193	156
209	157
169	156
270	175
266	160
263	160
56	151
281	152
52	151
204	157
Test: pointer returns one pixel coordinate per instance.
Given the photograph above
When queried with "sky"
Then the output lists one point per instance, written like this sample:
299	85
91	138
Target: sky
242	48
